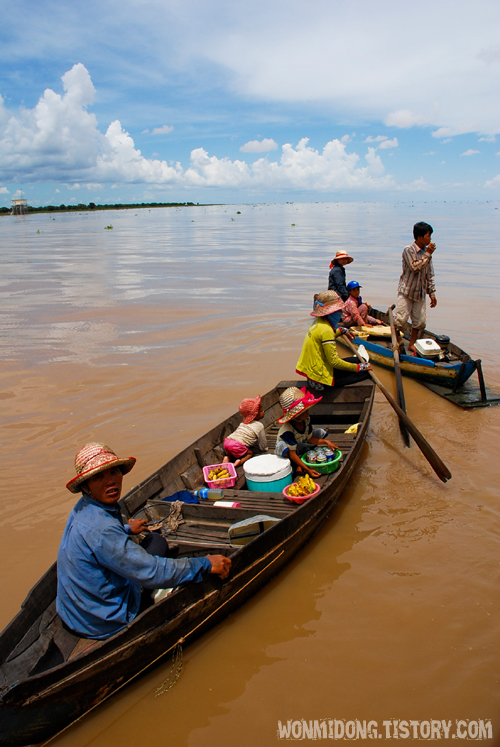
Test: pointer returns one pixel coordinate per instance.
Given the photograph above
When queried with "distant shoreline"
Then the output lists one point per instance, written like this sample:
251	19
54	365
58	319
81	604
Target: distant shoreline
93	207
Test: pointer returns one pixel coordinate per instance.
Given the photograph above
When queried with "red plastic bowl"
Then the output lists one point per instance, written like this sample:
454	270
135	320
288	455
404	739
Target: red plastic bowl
300	498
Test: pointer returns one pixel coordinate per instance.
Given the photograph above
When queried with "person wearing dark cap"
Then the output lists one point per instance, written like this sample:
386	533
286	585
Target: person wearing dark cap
101	570
355	312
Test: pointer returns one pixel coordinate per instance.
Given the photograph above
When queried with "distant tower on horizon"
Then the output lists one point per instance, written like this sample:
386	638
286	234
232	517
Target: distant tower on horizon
19	207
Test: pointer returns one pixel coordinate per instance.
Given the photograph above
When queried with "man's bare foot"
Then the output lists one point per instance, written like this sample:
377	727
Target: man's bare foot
237	463
225	460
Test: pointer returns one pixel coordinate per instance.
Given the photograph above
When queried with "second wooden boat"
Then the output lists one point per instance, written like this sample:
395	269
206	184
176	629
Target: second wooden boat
445	375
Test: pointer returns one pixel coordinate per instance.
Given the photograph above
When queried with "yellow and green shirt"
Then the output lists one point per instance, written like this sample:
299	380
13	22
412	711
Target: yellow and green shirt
319	357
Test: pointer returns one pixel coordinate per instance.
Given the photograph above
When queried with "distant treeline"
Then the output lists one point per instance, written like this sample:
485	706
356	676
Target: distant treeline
93	206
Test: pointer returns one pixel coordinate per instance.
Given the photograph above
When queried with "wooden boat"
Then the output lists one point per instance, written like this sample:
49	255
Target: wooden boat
49	677
446	376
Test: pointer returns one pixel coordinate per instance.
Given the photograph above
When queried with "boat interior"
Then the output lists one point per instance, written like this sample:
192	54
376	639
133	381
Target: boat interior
205	527
450	353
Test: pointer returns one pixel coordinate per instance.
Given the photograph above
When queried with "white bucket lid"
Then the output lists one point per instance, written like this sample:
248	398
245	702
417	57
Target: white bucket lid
267	466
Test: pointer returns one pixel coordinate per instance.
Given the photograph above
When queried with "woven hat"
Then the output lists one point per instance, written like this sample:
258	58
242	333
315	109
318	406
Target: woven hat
94	458
326	302
342	254
249	408
295	400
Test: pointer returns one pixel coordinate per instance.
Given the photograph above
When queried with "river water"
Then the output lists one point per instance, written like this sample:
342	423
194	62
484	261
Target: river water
146	335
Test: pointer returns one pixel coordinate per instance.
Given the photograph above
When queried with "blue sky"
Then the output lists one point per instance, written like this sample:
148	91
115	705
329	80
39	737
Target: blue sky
222	101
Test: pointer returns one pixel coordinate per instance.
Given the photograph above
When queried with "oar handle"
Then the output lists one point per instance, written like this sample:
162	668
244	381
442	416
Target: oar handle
436	463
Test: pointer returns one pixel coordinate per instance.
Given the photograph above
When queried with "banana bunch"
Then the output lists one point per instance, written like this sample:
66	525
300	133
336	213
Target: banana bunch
304	486
219	473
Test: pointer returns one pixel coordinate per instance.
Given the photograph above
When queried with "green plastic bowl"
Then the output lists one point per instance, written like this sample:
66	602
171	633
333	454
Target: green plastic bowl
327	467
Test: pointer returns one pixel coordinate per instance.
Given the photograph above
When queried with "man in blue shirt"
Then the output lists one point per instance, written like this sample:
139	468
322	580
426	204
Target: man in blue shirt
101	570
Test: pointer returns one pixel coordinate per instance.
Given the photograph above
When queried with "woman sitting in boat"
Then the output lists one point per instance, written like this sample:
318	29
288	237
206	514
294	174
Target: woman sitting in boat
336	278
319	361
296	434
355	312
101	571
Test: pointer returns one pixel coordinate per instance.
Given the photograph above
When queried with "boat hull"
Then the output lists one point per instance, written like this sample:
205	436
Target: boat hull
453	375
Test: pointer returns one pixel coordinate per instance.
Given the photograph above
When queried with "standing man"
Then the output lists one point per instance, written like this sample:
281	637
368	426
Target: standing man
416	280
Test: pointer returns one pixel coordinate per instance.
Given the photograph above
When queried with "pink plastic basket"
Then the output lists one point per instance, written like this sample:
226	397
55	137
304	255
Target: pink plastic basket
300	498
226	482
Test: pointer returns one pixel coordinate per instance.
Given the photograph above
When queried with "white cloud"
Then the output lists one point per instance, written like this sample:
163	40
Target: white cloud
444	132
495	182
405	118
430	153
4	191
389	144
491	139
469	152
60	140
377	139
372	70
256	146
164	130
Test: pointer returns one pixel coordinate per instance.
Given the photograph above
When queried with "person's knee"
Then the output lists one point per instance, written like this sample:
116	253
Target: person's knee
155	544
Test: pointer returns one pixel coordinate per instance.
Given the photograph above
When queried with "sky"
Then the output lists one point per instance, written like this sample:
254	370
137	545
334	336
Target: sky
213	101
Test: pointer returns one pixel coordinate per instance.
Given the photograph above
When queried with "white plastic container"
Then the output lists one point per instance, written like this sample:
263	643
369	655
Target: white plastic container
268	473
428	348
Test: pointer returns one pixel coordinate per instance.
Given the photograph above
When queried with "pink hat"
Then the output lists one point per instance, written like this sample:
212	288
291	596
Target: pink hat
294	400
249	408
94	458
326	302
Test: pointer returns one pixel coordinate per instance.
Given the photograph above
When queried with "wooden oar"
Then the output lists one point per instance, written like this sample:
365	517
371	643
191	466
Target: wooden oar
436	463
399	379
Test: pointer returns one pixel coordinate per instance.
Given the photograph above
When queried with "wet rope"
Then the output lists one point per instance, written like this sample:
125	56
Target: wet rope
178	646
175	670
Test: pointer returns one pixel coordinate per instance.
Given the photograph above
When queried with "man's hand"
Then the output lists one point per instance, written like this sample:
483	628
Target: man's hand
364	366
431	248
137	525
220	565
433	301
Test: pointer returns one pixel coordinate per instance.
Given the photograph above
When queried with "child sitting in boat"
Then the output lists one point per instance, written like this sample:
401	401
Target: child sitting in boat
355	311
296	435
250	432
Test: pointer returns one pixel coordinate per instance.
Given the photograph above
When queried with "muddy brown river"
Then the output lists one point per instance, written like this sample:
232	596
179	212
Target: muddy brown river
147	335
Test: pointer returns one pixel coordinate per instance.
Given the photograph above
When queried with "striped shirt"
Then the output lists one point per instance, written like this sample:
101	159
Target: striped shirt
250	434
417	277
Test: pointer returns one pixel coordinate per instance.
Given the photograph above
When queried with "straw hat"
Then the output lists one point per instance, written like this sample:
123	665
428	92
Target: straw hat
295	400
342	254
249	408
94	458
326	302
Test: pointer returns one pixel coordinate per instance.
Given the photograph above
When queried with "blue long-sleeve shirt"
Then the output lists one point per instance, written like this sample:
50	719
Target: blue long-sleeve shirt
100	571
